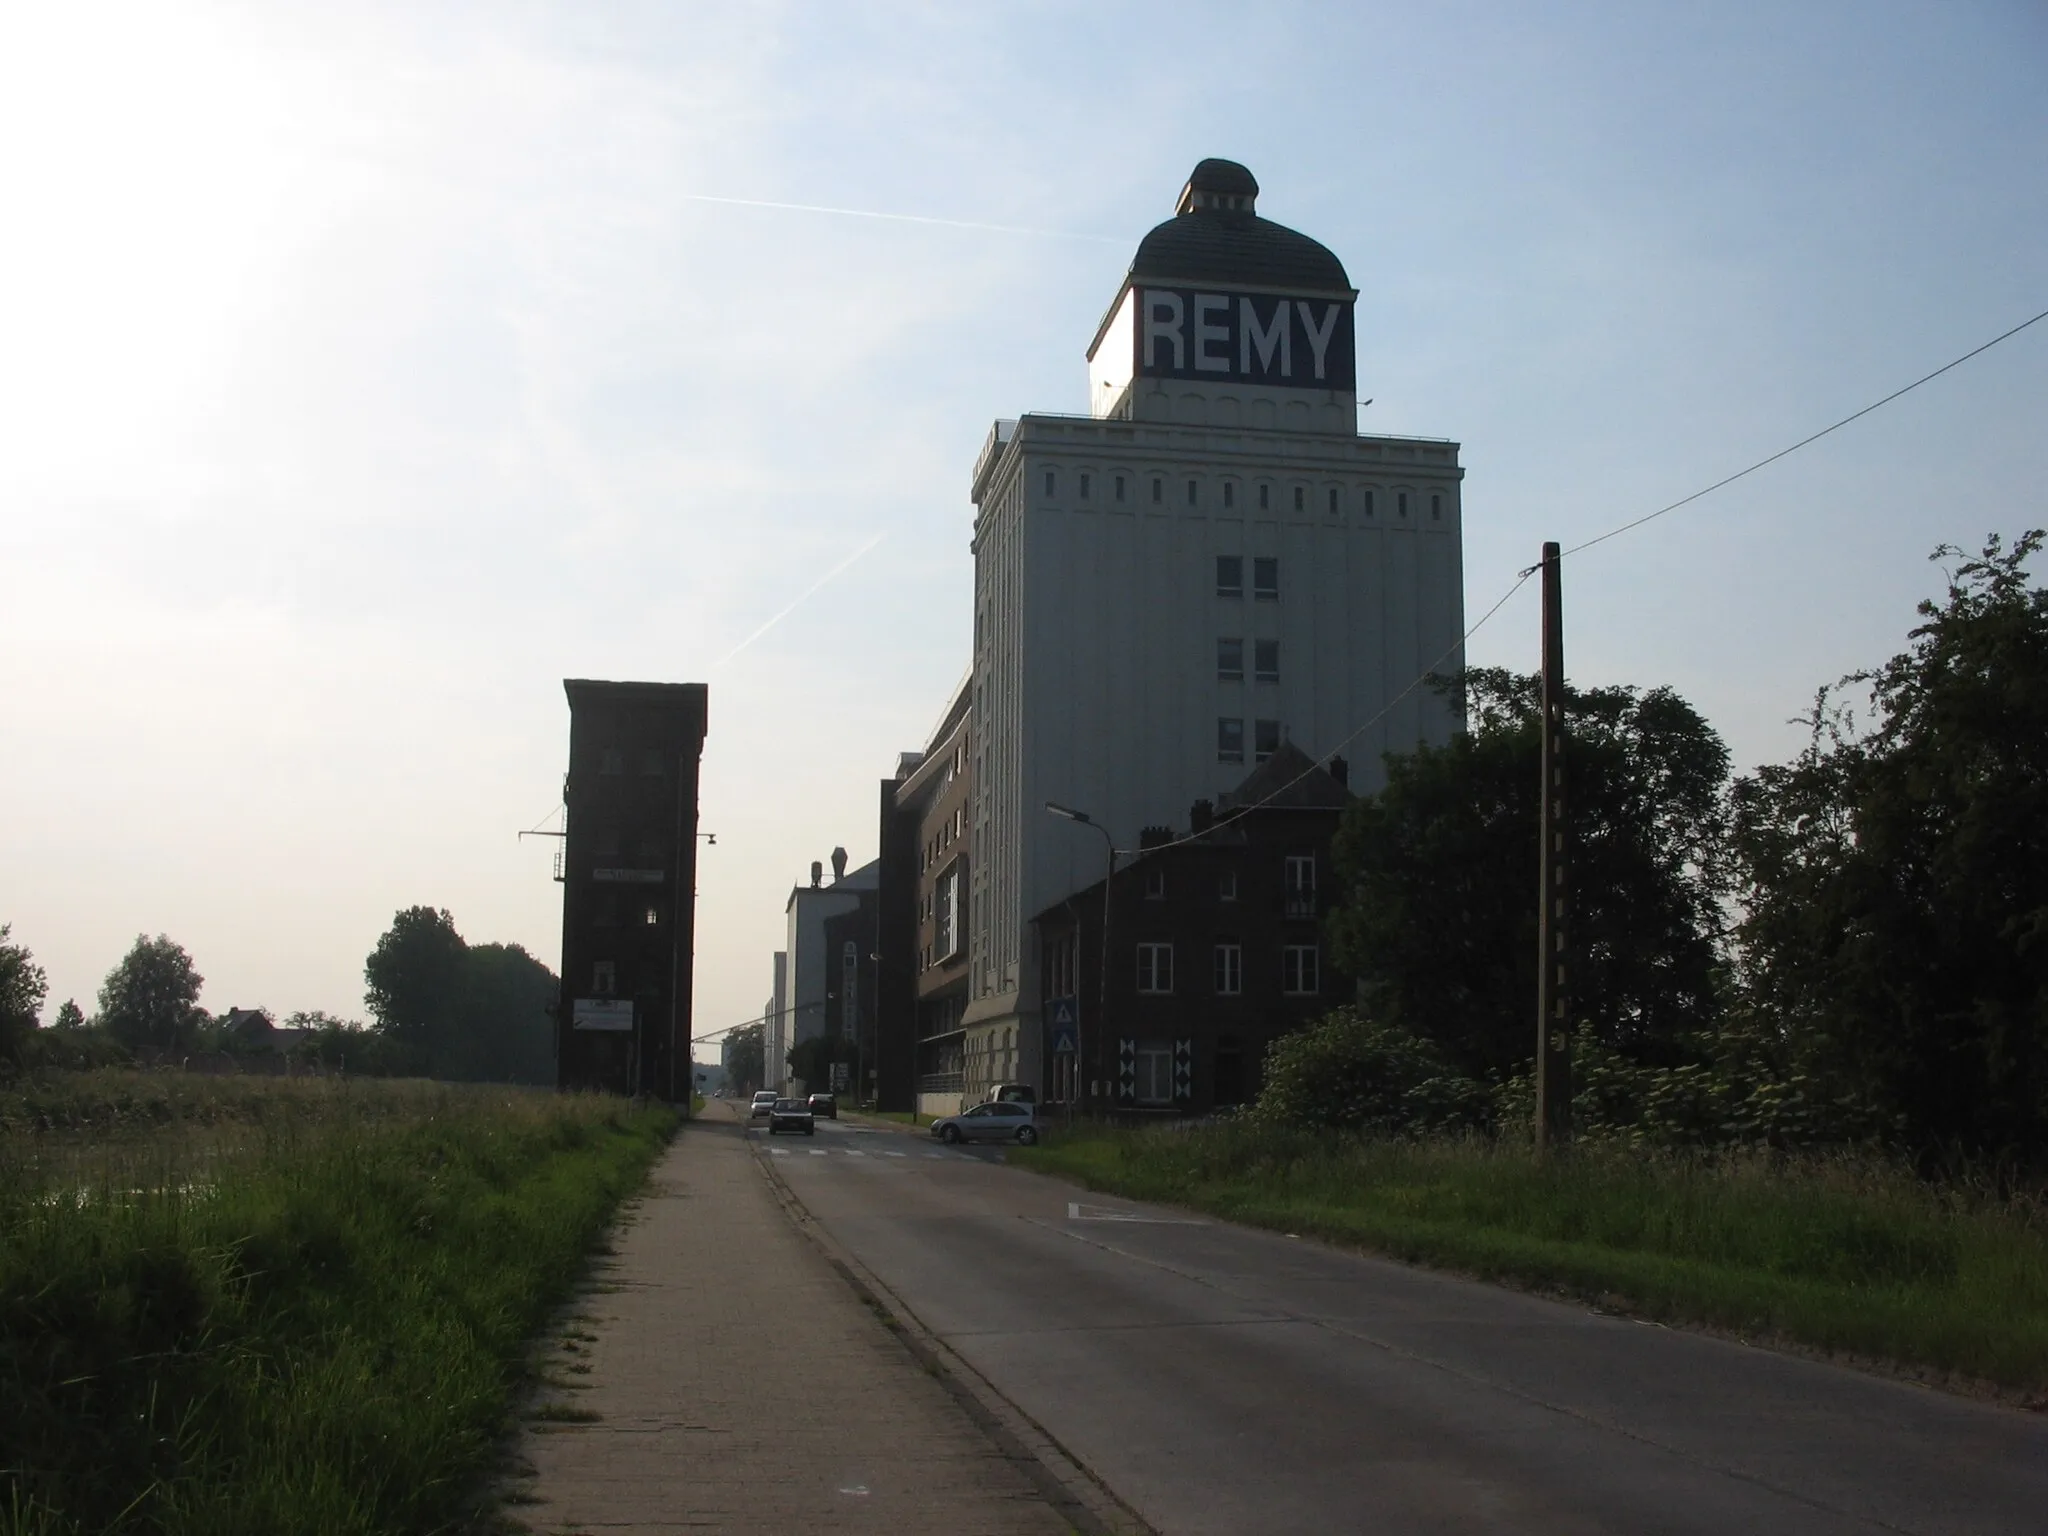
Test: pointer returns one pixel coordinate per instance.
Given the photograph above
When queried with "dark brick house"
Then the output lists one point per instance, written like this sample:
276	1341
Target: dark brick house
1215	935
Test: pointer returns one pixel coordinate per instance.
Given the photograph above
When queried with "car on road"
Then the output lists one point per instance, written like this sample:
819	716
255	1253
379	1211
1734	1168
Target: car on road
824	1104
989	1122
791	1115
1013	1093
763	1102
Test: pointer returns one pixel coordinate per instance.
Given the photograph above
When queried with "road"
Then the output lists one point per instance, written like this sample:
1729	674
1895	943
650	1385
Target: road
1224	1380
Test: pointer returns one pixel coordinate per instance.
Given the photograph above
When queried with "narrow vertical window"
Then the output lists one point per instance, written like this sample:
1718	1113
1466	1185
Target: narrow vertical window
1226	885
1229	969
1266	577
1401	503
1048	482
1229	494
1158	489
1300	498
1368	503
1084	485
1436	506
1229	739
1299	971
1192	492
1230	576
1265	739
1265	660
1119	487
1265	497
1333	498
1230	659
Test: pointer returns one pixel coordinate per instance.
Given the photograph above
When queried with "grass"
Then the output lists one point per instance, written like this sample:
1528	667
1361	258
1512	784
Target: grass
1845	1256
900	1116
242	1306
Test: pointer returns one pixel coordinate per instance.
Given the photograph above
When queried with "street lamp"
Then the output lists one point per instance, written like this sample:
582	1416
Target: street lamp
1102	1011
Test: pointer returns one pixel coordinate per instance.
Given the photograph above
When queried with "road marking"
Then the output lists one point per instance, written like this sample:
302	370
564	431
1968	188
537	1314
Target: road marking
851	1153
1076	1211
895	1154
817	1151
778	1151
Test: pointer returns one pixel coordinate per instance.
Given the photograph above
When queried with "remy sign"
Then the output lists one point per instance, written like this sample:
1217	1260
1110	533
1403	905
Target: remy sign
604	1013
1246	338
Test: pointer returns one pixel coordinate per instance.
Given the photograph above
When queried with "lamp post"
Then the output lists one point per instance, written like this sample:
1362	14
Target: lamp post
1102	1011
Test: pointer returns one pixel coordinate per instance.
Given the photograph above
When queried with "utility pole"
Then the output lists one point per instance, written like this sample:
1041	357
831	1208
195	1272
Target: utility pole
1553	999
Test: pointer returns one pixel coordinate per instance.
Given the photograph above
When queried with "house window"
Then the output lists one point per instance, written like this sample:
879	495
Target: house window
604	978
1230	575
1229	660
947	898
1229	494
1266	660
650	917
1229	969
1300	498
1193	493
1301	885
1152	1072
1229	739
1436	506
611	761
1333	498
1155	968
1155	885
1368	503
1266	577
1265	497
1401	503
1298	970
1084	485
1265	739
1119	487
1158	489
1049	482
1226	885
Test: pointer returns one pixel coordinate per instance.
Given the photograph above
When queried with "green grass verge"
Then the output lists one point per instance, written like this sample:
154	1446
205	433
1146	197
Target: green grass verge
1840	1255
276	1307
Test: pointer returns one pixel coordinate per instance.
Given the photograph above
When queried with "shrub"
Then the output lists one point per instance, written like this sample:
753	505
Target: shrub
1349	1071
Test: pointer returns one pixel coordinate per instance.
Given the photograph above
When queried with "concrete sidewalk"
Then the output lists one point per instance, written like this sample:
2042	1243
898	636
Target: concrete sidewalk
736	1383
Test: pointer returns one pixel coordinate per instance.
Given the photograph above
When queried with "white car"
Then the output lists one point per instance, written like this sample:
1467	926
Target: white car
764	1101
989	1122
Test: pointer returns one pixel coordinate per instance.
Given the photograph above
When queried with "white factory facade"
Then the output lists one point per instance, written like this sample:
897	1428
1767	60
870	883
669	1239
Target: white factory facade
1211	561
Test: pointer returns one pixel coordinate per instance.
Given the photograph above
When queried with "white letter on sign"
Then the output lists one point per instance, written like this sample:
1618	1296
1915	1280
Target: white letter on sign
1277	337
1162	323
1318	339
1207	304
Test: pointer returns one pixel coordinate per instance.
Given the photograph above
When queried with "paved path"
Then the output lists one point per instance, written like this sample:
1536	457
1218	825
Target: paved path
1229	1381
740	1384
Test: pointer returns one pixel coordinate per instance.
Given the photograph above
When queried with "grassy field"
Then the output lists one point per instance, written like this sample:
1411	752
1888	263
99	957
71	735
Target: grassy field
269	1306
1845	1256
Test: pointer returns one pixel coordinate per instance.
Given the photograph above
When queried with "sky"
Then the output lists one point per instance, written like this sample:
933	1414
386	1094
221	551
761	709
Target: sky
367	369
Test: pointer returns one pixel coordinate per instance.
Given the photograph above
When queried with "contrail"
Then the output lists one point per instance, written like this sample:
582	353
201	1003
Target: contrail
798	600
905	218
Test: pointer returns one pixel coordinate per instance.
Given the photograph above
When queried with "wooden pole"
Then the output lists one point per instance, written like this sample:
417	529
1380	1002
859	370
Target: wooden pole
1553	998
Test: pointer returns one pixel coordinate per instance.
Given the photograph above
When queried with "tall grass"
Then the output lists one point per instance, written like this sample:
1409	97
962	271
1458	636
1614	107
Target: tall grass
1843	1254
278	1307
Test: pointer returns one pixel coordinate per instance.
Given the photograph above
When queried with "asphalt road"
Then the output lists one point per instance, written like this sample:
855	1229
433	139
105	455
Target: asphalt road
1230	1381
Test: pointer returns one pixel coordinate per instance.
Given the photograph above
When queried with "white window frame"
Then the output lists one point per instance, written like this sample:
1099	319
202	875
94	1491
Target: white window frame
1229	970
1300	970
1226	885
1155	969
1153	1060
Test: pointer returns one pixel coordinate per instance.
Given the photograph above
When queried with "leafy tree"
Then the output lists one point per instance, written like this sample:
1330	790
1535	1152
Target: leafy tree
1895	877
504	1024
413	979
1348	1071
150	1001
811	1060
22	990
1439	870
747	1058
452	1010
69	1016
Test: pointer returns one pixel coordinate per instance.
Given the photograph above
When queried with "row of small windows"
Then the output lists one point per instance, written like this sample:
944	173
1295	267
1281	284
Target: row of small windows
948	834
1230	660
1300	969
1333	496
1230	739
1301	884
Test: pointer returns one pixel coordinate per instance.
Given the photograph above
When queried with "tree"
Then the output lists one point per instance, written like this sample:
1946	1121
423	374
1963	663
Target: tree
746	1058
811	1061
413	979
69	1016
150	1001
1346	1071
1438	875
22	990
448	1009
1894	889
504	1025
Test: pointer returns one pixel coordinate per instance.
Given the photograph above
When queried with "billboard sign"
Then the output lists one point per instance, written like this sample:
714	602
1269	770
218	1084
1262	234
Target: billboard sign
1245	338
615	1013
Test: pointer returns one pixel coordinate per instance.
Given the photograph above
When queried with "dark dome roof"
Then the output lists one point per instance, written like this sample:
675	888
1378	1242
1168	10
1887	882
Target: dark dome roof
1205	243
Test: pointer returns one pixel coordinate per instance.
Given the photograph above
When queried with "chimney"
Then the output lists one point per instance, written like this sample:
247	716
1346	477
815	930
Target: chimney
1340	771
1154	837
838	865
1201	815
817	874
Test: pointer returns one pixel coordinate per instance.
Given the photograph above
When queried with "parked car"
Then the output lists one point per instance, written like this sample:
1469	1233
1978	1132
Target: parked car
1012	1093
763	1102
824	1104
989	1122
791	1115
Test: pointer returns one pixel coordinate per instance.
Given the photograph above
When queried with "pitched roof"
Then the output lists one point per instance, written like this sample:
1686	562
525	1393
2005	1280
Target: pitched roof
1289	780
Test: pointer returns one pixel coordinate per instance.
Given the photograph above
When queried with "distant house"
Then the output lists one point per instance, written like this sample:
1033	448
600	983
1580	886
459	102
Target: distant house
251	1029
1215	943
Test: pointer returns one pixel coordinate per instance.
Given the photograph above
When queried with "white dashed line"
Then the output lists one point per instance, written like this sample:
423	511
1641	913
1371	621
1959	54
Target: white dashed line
895	1154
778	1151
817	1152
851	1153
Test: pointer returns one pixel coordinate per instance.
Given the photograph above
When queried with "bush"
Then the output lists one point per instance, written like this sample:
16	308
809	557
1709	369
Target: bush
1348	1071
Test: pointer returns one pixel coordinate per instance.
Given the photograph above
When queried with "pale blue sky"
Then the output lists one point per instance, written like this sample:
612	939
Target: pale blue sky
365	370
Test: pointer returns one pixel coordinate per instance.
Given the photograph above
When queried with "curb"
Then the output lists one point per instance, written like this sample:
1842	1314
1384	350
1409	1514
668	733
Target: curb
1075	1493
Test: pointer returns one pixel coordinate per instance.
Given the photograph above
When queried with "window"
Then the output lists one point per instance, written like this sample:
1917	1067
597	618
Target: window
1155	968
1265	497
1230	575
1049	482
1436	506
1229	969
1152	1072
1265	739
604	978
1301	885
1229	739
650	917
1401	503
1155	885
1368	503
650	763
1226	885
611	760
1298	976
948	901
1084	485
1300	498
1119	487
1229	660
1193	492
1229	494
1333	498
1266	660
1266	577
1158	489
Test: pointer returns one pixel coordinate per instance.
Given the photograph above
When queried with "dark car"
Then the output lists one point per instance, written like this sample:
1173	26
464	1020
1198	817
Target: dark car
791	1115
824	1104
